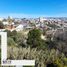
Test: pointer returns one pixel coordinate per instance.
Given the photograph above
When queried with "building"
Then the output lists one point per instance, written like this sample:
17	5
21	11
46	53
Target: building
19	27
1	19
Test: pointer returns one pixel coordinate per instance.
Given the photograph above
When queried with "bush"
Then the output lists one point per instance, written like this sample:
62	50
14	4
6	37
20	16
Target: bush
1	25
20	39
34	38
9	34
0	56
10	42
28	66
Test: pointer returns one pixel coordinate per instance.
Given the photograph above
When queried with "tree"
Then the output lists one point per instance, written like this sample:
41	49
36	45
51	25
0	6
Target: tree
60	40
28	66
10	42
14	35
34	38
0	49
20	39
9	20
51	65
0	40
1	25
9	34
0	56
44	32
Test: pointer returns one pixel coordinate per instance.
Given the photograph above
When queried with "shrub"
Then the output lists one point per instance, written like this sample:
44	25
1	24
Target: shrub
10	42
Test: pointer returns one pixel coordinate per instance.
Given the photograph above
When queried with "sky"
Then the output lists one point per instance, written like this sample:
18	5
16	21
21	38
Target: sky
33	8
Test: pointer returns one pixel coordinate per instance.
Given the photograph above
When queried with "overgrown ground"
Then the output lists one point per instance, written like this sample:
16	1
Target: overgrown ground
50	52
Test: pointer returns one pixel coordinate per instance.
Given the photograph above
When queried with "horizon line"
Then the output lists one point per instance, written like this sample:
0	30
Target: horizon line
22	15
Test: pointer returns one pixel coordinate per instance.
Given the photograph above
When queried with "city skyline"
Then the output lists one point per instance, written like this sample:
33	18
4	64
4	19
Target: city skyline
33	8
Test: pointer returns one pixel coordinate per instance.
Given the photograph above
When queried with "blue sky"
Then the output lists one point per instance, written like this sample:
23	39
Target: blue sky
33	8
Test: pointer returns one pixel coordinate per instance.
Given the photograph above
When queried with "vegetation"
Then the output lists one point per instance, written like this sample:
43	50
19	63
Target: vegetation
28	66
1	25
34	38
47	53
10	42
53	26
0	56
0	49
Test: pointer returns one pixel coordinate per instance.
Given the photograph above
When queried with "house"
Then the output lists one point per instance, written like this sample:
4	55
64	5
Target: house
5	23
19	27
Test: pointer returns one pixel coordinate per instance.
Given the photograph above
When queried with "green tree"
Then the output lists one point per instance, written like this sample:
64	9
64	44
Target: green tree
10	42
34	38
0	49
28	66
20	39
0	56
14	35
1	25
9	19
0	40
9	34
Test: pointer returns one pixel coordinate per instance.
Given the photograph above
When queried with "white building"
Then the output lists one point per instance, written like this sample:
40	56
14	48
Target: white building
19	28
1	30
5	23
42	19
